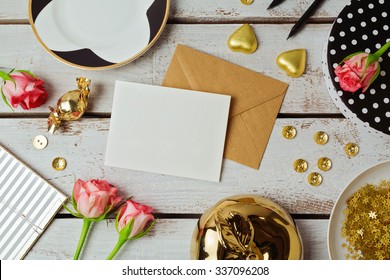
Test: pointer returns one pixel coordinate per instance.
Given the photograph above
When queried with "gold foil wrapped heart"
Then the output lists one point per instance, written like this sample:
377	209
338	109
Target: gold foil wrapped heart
71	106
292	62
243	40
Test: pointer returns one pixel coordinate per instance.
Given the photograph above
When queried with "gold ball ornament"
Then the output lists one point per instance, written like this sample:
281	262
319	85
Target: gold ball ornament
59	163
292	62
246	227
243	40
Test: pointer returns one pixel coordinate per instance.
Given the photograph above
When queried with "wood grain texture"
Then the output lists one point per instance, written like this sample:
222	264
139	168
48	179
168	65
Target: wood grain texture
170	239
306	94
83	143
211	11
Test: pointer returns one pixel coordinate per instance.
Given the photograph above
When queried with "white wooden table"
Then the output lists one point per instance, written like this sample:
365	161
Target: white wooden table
204	25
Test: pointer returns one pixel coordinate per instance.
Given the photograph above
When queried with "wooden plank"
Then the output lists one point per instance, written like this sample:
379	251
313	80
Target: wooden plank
306	94
212	11
169	239
83	143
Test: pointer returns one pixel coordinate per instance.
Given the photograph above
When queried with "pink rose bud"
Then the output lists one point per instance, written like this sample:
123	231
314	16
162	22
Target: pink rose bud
353	74
138	213
27	91
94	198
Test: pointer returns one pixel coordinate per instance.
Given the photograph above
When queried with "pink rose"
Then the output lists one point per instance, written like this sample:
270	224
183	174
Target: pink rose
94	198
353	75
29	91
133	211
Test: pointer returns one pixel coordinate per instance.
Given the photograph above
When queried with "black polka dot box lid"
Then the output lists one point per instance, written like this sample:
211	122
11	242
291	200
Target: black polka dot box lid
363	26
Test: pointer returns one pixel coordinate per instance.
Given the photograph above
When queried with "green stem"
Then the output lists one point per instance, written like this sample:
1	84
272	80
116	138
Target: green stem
382	50
83	235
118	245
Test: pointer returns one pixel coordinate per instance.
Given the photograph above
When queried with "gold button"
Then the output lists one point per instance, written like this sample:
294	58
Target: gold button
289	132
321	137
314	179
246	2
351	149
40	142
58	164
300	165
324	164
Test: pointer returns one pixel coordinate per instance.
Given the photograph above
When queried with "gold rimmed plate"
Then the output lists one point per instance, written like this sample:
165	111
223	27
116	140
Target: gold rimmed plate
373	175
97	34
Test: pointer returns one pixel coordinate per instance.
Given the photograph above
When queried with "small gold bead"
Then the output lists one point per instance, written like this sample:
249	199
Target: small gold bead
321	137
289	132
351	149
300	165
324	164
314	179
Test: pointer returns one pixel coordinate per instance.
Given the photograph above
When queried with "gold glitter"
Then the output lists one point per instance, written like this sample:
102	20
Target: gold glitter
289	132
314	179
321	137
247	2
324	164
351	149
58	164
300	165
366	227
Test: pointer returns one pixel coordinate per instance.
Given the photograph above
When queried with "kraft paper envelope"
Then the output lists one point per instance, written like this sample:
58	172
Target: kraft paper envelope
167	130
256	99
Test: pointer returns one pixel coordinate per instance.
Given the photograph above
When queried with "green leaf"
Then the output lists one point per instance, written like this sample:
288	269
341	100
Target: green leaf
126	231
77	215
6	77
5	99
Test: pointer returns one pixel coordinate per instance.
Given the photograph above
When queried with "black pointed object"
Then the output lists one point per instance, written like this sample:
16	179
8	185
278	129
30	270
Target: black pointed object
313	7
275	3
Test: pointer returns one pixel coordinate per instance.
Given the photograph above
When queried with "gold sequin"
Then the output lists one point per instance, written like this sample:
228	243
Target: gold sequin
289	132
247	2
366	227
351	149
58	163
321	137
300	165
324	164
314	179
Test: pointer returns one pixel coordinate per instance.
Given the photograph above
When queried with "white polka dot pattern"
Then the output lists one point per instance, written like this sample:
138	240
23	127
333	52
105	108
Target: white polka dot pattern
361	26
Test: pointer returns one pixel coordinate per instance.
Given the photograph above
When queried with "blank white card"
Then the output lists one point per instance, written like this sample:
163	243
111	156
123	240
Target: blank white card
168	131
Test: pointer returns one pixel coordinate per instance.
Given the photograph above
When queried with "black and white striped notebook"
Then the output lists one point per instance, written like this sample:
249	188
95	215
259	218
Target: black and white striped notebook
27	205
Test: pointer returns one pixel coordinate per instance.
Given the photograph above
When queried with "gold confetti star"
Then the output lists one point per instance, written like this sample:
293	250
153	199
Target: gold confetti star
372	215
366	227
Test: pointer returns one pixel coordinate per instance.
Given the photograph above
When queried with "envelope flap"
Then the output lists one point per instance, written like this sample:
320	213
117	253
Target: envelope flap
191	69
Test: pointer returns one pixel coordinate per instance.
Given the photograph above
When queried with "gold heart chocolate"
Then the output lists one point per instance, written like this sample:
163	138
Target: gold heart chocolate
243	40
292	62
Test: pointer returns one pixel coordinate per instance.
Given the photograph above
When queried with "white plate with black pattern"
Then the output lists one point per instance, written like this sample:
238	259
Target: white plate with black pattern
97	34
361	26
